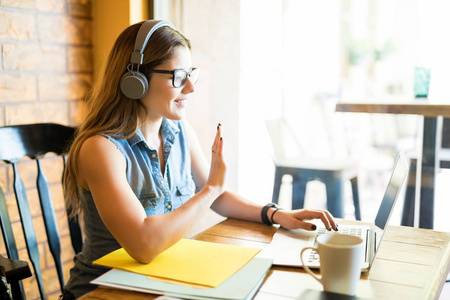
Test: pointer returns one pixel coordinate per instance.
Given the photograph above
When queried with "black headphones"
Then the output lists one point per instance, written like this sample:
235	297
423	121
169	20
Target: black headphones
133	83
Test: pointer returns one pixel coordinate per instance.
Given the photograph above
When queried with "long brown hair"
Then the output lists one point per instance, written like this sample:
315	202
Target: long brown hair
108	110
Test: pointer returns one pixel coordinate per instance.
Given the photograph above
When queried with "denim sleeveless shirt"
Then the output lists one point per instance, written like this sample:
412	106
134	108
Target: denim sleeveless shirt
158	194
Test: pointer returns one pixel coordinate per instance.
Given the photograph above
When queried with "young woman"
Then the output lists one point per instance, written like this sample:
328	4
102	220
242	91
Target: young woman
136	169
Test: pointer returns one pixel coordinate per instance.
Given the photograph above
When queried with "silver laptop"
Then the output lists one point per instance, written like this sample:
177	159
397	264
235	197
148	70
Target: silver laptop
287	244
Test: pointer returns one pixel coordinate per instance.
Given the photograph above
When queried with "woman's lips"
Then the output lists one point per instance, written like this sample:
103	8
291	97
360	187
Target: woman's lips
181	102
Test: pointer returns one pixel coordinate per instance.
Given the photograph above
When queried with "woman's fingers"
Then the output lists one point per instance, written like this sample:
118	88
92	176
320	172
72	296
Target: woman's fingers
216	147
301	217
220	141
308	226
217	172
327	219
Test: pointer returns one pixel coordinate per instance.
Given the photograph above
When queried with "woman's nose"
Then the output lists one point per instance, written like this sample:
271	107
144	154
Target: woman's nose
189	86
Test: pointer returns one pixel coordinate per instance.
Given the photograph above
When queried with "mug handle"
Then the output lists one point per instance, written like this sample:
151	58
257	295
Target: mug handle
307	269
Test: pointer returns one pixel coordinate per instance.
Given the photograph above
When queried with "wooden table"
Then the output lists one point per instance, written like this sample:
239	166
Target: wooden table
412	263
430	144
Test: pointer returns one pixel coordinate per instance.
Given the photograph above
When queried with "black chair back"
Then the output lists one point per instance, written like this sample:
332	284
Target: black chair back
34	141
444	152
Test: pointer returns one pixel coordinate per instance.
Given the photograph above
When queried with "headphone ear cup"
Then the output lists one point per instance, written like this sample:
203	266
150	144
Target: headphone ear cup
134	85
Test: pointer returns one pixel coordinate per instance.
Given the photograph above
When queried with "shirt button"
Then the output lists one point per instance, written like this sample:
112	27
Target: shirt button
169	207
153	155
162	182
166	149
172	137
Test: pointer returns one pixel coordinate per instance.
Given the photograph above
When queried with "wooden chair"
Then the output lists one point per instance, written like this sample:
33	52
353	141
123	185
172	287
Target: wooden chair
332	172
14	270
34	141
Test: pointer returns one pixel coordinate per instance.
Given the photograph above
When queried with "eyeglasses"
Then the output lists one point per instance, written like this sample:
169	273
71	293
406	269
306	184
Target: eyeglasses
179	76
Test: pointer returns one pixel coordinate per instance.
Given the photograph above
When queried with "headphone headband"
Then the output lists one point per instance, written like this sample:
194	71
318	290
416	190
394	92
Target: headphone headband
145	32
133	83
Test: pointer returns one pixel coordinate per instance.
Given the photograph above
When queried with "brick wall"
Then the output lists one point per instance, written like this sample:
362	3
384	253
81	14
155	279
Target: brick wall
45	72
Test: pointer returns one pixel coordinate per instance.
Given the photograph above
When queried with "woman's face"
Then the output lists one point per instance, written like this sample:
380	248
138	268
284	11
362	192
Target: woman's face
164	100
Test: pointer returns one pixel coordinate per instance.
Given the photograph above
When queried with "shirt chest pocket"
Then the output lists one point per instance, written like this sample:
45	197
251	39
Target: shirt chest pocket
183	193
150	203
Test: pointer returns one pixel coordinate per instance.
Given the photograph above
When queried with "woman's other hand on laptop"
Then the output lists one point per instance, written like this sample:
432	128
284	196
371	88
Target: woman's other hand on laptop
298	219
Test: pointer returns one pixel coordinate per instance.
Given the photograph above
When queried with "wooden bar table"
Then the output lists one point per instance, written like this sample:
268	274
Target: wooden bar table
430	144
411	263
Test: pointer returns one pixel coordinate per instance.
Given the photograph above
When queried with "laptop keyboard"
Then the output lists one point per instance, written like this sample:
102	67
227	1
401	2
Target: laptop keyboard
314	257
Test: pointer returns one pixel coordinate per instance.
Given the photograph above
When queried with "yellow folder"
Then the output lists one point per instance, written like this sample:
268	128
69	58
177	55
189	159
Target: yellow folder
191	261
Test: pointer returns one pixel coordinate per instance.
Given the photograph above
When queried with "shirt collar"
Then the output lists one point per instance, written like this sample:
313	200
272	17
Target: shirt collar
168	129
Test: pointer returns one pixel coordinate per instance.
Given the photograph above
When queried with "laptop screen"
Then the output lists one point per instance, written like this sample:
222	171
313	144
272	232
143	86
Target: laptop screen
390	196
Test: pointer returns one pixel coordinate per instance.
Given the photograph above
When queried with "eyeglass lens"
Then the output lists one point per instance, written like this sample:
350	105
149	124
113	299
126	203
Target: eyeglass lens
180	76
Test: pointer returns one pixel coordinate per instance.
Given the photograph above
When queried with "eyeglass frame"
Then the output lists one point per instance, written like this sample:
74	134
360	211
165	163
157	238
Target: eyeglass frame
172	72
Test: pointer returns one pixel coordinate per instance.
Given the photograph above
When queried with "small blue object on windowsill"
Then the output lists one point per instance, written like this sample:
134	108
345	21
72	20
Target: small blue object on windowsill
421	82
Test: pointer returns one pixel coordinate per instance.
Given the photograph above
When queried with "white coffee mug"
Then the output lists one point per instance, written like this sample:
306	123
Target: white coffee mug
340	262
